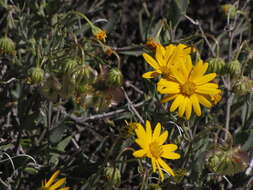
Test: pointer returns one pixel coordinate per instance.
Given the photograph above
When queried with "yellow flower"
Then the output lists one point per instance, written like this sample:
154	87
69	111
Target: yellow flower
189	89
48	185
215	99
152	147
166	58
100	35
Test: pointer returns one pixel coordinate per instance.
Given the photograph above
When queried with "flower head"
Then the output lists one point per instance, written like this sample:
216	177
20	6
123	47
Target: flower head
190	88
48	185
152	44
152	147
166	58
100	35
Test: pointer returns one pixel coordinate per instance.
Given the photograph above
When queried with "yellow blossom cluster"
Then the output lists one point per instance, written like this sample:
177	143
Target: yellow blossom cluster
182	82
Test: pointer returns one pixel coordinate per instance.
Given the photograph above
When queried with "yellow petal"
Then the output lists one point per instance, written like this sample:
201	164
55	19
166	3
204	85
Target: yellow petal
167	87
153	164
64	188
141	142
139	153
151	74
159	170
148	131
58	184
204	101
151	61
195	104
169	147
204	79
159	56
170	155
169	51
168	98
199	70
188	108
52	178
177	73
208	88
181	109
165	166
157	131
178	100
162	138
140	131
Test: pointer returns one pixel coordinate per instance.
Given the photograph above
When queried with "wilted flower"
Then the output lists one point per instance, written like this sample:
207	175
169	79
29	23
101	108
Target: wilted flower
227	161
151	144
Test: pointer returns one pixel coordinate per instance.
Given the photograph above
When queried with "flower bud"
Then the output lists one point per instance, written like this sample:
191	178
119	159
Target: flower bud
36	75
84	74
7	46
227	161
69	65
115	77
243	86
112	175
216	65
234	68
229	10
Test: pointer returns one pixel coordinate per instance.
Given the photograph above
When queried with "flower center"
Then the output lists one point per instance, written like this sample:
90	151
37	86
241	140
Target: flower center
188	88
155	149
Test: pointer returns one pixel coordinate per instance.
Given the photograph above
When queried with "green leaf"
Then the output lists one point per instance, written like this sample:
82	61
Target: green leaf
63	144
176	10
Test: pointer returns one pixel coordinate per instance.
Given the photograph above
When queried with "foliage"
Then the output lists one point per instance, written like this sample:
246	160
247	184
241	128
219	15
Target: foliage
71	88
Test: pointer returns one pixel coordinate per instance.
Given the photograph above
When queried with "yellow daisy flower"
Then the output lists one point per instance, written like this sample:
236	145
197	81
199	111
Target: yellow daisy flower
48	185
189	89
152	147
100	35
166	58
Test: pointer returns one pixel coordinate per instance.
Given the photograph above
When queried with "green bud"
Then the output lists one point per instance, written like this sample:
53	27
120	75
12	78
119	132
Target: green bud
84	74
7	46
234	68
69	65
229	10
112	175
227	161
216	65
115	77
36	75
243	86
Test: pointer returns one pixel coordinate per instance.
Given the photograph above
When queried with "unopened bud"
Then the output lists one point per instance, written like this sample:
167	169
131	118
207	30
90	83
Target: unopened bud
7	46
216	65
112	175
69	65
233	67
36	75
243	86
115	77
